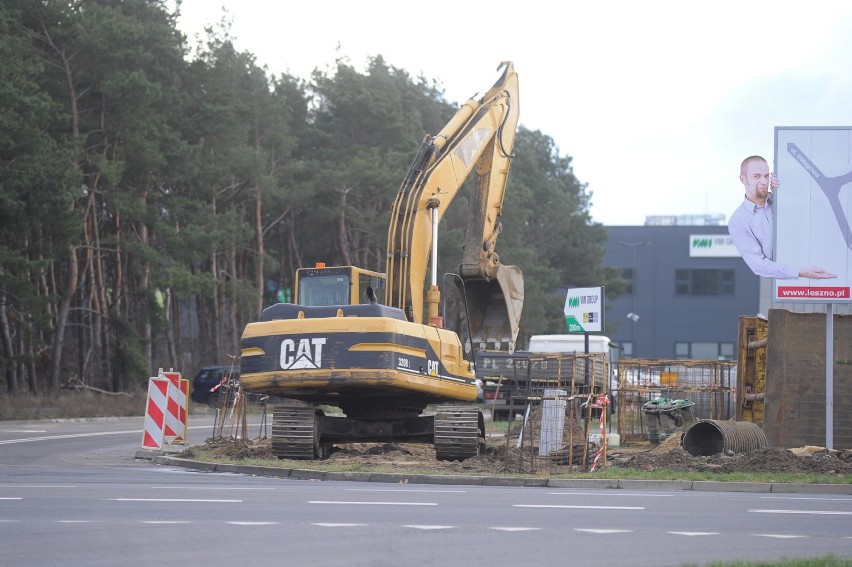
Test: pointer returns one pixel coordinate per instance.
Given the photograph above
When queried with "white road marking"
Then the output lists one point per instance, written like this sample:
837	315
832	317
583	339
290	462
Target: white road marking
332	525
35	486
9	521
578	507
406	490
79	435
814	512
807	498
169	500
253	523
693	533
429	527
611	493
372	503
779	536
508	529
211	488
23	430
69	436
601	531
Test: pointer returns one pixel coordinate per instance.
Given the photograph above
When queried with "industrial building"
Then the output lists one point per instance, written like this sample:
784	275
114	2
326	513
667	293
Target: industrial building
687	288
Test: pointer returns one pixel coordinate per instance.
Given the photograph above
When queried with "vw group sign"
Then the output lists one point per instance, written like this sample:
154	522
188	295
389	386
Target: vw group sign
584	309
812	211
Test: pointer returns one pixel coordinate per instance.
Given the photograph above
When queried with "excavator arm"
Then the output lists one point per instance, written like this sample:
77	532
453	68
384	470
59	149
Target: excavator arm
480	137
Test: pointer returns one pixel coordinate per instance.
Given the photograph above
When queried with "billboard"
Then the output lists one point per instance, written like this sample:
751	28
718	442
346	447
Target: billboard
584	308
813	206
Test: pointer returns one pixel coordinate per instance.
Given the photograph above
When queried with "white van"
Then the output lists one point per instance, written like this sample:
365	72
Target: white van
569	343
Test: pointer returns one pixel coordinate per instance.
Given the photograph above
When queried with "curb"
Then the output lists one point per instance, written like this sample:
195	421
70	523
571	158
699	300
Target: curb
517	482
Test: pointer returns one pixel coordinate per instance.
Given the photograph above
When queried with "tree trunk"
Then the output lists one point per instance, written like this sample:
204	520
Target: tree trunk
258	230
145	290
62	317
342	230
11	370
234	307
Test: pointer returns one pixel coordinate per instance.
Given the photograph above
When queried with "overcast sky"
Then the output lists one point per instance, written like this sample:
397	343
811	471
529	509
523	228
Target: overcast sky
657	102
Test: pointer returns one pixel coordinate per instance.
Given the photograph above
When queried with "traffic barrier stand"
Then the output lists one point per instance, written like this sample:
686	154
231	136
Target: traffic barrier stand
155	413
175	428
602	402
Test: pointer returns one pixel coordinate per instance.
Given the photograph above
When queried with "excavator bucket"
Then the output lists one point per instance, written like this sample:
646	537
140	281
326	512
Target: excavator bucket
493	309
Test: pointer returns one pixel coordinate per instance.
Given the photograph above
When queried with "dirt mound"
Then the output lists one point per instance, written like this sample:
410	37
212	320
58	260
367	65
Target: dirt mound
413	458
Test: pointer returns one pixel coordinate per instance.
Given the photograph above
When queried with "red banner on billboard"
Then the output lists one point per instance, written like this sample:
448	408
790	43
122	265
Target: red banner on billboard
812	292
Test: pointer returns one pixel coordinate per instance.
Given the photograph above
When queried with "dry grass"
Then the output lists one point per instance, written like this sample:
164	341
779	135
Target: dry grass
70	404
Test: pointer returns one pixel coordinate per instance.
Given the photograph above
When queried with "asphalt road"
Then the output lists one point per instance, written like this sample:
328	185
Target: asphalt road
72	493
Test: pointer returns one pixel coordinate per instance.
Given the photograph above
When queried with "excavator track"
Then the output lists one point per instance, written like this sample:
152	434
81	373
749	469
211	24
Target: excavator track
459	432
295	433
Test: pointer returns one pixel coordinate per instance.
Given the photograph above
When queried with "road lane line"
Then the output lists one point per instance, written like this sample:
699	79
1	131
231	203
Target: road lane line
510	529
372	503
80	435
601	531
807	498
253	523
406	490
170	500
693	533
335	525
35	486
578	507
616	494
211	488
780	536
429	527
814	512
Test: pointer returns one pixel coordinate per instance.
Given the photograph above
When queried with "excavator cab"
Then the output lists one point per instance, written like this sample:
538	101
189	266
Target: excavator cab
339	285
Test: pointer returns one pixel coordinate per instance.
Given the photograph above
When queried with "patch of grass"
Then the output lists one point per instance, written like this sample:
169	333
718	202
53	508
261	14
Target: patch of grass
71	405
662	474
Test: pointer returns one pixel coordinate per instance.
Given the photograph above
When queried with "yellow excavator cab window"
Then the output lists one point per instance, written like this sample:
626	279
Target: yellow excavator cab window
337	286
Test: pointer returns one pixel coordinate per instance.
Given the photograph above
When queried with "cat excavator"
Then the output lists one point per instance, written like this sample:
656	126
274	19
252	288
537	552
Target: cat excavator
359	340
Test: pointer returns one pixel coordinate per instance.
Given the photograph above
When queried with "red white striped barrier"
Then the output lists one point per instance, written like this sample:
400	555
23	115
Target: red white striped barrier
174	430
602	402
166	410
155	413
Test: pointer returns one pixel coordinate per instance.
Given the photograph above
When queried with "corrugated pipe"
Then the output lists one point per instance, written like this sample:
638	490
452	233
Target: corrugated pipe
710	437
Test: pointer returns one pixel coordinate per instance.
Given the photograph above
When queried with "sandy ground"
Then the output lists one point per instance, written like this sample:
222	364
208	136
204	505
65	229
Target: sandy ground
506	458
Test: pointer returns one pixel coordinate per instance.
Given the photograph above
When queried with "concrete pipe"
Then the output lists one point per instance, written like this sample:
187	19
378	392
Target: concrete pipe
709	437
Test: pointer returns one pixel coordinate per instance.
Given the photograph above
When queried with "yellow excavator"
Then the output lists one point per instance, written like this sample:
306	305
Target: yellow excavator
360	341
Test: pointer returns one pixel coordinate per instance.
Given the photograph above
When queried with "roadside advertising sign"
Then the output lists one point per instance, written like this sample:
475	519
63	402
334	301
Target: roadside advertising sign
584	308
813	207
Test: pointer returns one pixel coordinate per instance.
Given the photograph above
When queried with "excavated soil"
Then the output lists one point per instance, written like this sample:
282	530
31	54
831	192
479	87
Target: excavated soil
403	457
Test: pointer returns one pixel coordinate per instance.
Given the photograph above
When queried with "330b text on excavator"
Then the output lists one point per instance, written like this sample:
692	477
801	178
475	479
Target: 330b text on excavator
359	340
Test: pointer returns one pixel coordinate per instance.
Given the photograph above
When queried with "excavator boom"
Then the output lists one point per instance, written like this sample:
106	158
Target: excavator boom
479	138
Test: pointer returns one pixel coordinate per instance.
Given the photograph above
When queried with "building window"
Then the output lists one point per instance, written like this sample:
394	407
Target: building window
705	282
704	351
627	274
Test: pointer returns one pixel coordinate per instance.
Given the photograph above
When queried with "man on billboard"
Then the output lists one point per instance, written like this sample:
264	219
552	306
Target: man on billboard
751	225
